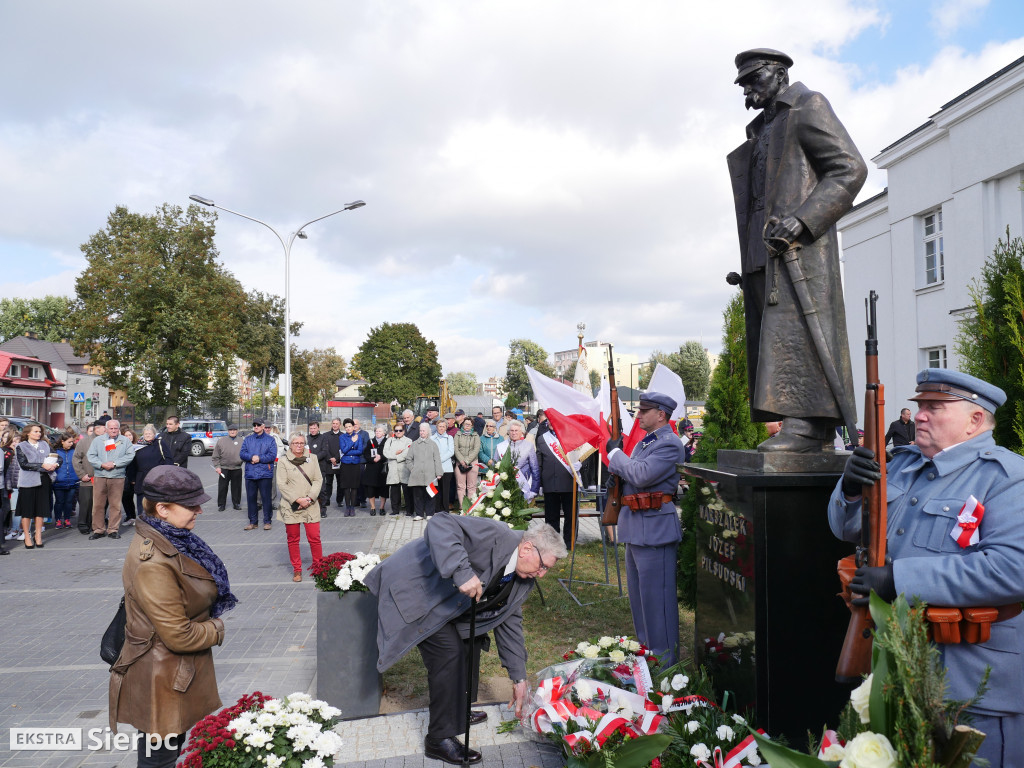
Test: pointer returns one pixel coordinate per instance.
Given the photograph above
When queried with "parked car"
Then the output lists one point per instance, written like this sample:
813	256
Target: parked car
204	433
20	423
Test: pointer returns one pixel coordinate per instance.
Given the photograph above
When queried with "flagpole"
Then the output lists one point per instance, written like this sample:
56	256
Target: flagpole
572	526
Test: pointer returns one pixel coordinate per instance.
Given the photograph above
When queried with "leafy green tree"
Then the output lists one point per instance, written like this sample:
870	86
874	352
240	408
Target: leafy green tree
595	381
668	359
223	392
990	343
47	316
462	383
694	370
727	422
154	307
314	373
399	363
522	353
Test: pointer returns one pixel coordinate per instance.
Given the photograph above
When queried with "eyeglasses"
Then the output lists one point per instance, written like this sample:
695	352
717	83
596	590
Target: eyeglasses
399	431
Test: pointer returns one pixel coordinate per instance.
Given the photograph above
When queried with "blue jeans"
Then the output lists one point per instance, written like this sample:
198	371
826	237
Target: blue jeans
264	487
64	502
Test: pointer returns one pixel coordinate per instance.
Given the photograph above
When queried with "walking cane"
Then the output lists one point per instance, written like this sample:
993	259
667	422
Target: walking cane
470	670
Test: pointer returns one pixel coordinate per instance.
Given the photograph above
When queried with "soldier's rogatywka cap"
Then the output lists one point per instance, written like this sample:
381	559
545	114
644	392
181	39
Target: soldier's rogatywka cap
754	59
176	485
944	384
657	400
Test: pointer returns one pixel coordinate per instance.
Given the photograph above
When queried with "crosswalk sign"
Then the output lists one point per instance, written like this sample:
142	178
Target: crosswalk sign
78	397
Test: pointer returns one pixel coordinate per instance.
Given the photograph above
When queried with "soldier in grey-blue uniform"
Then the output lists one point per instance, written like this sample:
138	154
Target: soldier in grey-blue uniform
943	557
649	525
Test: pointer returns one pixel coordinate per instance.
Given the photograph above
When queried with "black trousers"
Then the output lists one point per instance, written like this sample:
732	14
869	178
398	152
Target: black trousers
396	491
422	503
445	655
233	478
161	756
85	507
444	489
558	506
325	490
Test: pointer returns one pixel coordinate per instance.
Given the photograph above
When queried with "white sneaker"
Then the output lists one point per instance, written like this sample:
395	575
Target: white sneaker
20	536
417	517
11	536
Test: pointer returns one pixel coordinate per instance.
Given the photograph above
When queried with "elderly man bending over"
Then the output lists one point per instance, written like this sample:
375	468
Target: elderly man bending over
424	592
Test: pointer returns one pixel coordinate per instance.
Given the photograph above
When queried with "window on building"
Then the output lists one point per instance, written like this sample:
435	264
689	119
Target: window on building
934	357
934	259
6	404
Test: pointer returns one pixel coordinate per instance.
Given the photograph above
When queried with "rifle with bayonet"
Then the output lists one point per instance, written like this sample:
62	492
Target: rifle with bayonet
613	502
855	658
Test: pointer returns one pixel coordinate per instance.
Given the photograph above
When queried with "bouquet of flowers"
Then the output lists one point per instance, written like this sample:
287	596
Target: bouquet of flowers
261	731
596	723
703	734
898	716
500	497
342	572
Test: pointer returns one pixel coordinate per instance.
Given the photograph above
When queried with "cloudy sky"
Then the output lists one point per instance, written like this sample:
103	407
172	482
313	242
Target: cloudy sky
526	165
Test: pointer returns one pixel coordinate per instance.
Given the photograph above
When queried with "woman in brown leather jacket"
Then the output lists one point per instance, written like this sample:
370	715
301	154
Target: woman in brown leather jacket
175	589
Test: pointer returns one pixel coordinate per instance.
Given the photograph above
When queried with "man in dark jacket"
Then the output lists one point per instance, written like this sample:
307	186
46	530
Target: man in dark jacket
227	463
85	472
424	592
557	479
901	431
330	469
177	442
259	453
318	448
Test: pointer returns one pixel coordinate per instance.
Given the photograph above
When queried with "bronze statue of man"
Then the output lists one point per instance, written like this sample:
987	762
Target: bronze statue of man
793	178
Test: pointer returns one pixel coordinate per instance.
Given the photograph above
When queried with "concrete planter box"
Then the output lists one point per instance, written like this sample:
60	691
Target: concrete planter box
346	653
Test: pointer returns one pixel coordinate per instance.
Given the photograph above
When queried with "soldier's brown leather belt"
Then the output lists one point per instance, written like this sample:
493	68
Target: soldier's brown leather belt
966	625
653	500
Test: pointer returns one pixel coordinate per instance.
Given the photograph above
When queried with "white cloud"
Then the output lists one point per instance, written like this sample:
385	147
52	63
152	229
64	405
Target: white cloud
950	15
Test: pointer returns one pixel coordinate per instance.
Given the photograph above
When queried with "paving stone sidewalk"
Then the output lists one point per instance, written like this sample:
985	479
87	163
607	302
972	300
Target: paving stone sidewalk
57	601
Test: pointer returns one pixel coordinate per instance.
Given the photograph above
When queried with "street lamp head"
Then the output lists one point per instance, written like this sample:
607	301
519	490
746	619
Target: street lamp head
301	235
200	200
354	204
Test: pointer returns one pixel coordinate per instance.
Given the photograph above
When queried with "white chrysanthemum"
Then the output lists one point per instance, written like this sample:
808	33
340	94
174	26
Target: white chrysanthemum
327	712
327	744
617	656
313	762
700	752
584	690
725	733
860	698
679	682
666	686
506	494
692	726
272	705
266	719
666	703
606	641
257	738
297	696
274	761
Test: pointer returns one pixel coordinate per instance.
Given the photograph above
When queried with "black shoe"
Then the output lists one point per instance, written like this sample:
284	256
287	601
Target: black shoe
449	750
236	506
85	531
323	511
220	509
95	536
477	716
373	513
4	551
114	535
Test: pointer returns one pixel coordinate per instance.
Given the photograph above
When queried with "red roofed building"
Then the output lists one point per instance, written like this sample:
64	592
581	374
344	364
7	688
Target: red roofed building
27	388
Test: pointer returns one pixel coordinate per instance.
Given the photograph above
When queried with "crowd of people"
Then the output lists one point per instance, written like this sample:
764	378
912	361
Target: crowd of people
97	473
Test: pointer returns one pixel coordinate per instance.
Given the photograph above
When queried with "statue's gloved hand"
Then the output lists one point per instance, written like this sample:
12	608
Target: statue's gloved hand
861	469
788	228
867	578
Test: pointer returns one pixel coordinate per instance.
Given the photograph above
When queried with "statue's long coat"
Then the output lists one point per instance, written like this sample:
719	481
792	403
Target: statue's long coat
813	171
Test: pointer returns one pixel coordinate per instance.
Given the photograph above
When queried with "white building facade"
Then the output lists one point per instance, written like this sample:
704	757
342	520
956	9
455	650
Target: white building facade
954	187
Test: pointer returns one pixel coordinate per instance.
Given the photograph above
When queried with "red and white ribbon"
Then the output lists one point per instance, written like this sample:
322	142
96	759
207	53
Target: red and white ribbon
741	751
965	532
486	486
827	740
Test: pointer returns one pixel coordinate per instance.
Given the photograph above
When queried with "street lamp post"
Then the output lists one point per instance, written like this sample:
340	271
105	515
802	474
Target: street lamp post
287	245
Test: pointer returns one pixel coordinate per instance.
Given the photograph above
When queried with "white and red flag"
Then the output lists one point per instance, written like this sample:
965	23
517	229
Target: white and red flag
581	379
965	532
432	490
667	382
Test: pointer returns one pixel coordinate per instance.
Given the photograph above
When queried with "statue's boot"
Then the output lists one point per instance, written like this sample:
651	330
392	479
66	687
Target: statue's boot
800	436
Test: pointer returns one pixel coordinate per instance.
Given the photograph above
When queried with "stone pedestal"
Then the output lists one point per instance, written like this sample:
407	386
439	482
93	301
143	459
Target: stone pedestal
766	579
346	653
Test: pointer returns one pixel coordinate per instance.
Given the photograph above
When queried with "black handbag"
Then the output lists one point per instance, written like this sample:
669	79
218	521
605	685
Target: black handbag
113	638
